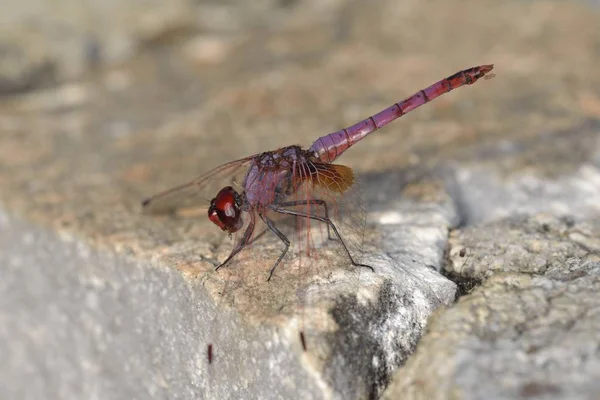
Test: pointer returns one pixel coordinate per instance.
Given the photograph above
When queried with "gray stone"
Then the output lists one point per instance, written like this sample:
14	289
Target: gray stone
541	245
516	337
80	322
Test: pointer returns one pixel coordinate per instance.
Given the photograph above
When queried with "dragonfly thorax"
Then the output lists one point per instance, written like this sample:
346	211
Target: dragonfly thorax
225	210
275	175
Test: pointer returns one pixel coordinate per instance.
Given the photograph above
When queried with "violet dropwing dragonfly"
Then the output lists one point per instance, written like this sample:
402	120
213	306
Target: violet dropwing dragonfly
273	179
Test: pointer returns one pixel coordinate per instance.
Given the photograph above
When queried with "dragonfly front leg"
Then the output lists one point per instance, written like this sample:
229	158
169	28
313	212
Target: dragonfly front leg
329	223
281	236
244	242
318	202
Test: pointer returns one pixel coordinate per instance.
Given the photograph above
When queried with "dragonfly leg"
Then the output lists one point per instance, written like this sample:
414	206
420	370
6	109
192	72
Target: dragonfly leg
329	223
318	202
255	238
243	243
281	236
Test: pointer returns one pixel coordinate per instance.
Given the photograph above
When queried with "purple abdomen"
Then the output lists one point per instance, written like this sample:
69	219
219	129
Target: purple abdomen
329	147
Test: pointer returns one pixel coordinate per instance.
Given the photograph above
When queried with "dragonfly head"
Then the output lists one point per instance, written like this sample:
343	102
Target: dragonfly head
224	210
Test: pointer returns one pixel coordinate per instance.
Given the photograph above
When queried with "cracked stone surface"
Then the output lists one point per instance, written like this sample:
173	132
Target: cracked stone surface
517	336
489	194
540	245
532	324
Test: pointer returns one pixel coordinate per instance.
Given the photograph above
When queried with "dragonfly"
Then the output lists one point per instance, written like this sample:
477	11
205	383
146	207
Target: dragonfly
272	180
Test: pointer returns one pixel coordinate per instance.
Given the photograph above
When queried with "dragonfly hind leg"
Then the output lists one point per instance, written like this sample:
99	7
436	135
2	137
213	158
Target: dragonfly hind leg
281	236
329	224
318	202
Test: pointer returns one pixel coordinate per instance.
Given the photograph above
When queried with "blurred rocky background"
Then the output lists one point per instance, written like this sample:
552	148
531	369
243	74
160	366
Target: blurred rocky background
483	206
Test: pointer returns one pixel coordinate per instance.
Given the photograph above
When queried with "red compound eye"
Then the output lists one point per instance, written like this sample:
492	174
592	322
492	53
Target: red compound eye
225	212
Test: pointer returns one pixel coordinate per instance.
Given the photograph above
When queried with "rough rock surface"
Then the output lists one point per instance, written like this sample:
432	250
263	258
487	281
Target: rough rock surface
532	326
489	194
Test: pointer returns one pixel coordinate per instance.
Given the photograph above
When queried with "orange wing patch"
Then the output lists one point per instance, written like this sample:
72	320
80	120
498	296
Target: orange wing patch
337	178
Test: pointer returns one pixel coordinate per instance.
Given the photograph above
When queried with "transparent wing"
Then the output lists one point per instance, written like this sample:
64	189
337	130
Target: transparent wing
197	191
336	184
327	190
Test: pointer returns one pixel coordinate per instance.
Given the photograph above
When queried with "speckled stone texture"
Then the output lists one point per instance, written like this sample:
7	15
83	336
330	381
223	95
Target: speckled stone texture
482	206
532	326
